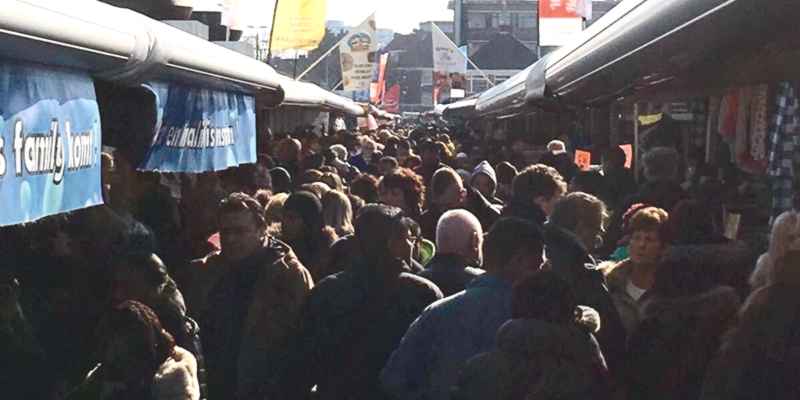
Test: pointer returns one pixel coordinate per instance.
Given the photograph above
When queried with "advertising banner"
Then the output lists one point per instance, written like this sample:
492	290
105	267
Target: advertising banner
559	21
299	25
200	130
50	142
449	66
357	56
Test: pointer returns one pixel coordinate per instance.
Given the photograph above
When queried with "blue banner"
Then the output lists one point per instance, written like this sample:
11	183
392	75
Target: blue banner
201	130
49	142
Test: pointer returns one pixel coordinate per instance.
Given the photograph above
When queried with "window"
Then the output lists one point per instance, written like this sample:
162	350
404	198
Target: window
476	21
526	20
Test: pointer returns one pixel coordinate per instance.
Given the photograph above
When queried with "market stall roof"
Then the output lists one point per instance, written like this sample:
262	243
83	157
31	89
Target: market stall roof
662	45
464	109
120	45
309	95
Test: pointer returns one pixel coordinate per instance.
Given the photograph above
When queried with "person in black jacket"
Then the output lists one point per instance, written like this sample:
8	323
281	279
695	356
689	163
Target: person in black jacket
535	192
575	228
558	158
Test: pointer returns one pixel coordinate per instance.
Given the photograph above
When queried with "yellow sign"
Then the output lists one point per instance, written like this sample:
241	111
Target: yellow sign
299	24
646	120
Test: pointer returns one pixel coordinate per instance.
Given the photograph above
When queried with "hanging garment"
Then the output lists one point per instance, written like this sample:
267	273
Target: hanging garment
782	148
759	123
751	130
728	110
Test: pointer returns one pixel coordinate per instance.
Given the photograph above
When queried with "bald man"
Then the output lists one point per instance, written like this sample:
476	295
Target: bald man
459	255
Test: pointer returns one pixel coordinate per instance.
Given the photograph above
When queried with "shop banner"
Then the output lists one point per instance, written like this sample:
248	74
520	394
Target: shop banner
559	21
391	101
583	159
299	25
49	142
200	130
357	55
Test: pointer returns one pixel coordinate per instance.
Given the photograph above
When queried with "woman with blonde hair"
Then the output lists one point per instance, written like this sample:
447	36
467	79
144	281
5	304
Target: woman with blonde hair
785	237
337	212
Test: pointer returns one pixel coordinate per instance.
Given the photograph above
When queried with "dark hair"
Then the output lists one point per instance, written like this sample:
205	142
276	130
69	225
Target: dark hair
507	238
683	276
544	296
281	180
506	172
375	225
241	202
409	182
311	176
133	318
615	156
591	182
356	202
535	181
366	187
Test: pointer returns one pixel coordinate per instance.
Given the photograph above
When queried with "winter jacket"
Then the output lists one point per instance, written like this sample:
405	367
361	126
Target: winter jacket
677	338
351	323
451	273
447	334
628	309
254	308
484	168
534	359
175	379
760	355
428	222
570	260
525	210
483	209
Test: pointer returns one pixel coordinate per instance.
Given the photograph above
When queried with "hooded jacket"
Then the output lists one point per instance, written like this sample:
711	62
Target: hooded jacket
534	359
570	260
484	168
670	350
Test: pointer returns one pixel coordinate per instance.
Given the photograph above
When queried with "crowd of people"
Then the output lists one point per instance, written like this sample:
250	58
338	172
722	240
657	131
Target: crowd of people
399	264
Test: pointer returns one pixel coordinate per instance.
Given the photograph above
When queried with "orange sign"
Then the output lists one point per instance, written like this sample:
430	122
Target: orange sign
583	159
628	149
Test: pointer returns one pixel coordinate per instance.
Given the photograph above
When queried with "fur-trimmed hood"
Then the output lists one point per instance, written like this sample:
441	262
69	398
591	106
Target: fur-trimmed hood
176	379
530	338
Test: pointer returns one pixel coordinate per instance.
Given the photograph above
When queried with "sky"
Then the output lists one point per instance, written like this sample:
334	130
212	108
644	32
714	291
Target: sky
401	16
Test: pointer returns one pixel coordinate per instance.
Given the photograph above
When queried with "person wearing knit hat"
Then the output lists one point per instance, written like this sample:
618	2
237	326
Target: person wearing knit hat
302	228
484	180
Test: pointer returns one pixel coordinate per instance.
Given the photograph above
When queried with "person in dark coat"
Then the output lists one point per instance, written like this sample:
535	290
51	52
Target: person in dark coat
432	155
683	319
662	190
254	305
575	228
354	319
303	229
558	158
459	238
447	192
535	192
546	352
760	356
618	181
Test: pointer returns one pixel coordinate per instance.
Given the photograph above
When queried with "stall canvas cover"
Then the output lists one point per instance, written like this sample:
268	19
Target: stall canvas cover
50	142
200	130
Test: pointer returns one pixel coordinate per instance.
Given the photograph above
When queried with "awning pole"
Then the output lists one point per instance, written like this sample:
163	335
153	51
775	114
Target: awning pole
271	32
636	141
708	131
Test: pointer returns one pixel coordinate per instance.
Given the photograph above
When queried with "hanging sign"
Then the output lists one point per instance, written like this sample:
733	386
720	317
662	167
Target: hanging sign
356	54
559	21
200	130
628	149
583	159
49	142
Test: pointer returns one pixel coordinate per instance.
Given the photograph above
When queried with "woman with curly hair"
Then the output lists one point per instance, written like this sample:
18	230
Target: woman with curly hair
138	360
404	189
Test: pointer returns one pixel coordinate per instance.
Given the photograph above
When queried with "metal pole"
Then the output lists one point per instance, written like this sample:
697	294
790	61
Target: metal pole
636	140
294	71
271	32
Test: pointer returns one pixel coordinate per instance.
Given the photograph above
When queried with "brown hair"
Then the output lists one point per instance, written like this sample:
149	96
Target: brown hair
576	207
507	238
407	181
537	180
140	321
442	179
650	219
241	202
365	187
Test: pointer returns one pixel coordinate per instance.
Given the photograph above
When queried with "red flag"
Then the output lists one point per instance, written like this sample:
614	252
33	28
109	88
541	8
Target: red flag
391	100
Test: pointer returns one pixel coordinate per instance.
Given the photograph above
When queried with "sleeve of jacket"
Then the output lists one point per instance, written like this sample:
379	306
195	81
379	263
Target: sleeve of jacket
406	374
